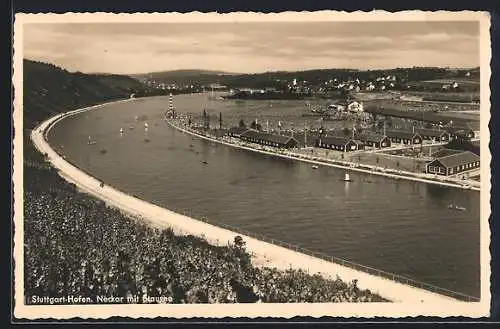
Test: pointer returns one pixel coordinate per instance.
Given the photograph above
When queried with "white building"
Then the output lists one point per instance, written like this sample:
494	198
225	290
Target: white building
355	107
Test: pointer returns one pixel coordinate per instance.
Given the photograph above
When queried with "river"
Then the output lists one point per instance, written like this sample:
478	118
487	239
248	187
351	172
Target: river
398	226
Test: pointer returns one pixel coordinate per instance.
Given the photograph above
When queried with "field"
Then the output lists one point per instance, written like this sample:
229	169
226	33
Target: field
459	81
436	85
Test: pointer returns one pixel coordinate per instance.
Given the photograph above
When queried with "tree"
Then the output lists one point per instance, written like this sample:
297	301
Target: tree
239	242
242	124
256	126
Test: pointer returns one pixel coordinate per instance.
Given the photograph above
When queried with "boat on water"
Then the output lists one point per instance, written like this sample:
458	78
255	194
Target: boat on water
91	141
315	167
204	162
131	127
455	207
347	178
121	130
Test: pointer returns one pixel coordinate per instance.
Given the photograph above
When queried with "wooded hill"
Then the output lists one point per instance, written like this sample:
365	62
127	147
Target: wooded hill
49	89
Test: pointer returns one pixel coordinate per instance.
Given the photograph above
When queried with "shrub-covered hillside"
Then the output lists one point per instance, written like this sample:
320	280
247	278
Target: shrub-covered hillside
49	89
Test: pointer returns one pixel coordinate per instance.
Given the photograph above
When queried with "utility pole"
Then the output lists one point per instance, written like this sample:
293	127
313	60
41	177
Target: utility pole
305	136
220	120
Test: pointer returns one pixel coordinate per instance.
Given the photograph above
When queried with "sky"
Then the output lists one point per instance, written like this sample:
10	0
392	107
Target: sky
251	47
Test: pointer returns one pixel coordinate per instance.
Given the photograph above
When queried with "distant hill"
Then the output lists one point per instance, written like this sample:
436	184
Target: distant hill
179	73
49	89
314	77
183	77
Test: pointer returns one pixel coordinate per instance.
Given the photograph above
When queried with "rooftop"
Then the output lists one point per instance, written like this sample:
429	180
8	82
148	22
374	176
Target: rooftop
238	130
431	132
401	134
268	137
370	136
454	160
337	140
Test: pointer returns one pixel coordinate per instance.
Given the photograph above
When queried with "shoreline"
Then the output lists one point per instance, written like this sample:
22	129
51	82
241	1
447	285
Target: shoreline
265	254
325	162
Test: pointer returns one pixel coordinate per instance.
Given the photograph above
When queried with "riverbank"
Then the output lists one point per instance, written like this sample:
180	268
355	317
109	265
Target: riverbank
265	253
316	160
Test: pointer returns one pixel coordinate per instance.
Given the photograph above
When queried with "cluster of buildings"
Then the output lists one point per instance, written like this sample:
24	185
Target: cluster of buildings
450	164
358	141
381	83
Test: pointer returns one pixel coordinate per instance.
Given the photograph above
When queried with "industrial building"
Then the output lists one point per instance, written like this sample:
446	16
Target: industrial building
454	164
404	137
338	143
254	136
434	135
374	140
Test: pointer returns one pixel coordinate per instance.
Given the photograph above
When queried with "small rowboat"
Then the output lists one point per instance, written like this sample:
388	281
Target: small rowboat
455	207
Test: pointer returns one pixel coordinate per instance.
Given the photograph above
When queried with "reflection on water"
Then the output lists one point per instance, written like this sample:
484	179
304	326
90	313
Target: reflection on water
395	225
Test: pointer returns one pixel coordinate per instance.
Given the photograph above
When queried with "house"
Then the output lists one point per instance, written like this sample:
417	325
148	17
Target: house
374	139
460	132
338	143
254	136
404	137
454	164
236	131
355	107
434	135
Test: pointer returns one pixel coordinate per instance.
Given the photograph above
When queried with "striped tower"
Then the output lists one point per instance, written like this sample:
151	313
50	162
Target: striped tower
171	105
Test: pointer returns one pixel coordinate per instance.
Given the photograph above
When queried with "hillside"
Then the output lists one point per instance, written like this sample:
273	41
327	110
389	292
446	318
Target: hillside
49	89
183	77
314	77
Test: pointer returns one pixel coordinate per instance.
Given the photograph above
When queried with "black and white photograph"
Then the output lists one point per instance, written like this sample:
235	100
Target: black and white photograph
263	165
